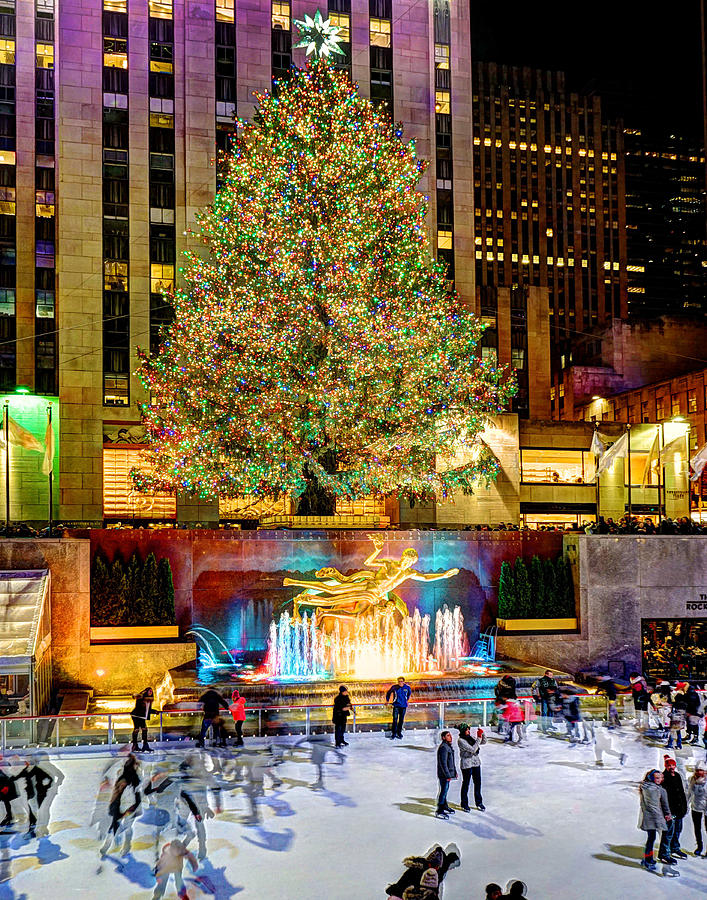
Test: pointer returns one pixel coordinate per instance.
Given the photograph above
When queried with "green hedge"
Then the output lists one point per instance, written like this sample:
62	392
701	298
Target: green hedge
134	593
543	591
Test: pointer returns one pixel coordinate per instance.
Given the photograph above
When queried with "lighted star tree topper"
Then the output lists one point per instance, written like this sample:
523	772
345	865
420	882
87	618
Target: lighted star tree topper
317	348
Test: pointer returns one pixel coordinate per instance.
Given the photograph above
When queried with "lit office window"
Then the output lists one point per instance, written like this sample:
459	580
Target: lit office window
161	9
7	52
224	10
443	102
161	278
45	56
281	15
379	32
120	498
343	22
442	56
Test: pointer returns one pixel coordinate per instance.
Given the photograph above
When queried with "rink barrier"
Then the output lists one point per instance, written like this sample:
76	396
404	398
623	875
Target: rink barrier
175	726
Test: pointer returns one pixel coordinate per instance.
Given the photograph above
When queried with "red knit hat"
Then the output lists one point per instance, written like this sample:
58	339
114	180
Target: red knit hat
669	761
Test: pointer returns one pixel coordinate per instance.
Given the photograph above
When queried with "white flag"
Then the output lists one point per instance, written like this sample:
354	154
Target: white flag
673	446
598	446
618	449
49	446
20	437
698	462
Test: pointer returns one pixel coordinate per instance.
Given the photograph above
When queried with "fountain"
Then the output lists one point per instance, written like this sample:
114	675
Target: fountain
299	649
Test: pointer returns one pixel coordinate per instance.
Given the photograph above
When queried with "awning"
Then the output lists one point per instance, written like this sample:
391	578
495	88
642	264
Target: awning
23	596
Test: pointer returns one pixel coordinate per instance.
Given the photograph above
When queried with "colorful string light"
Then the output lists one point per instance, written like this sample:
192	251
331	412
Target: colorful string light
318	335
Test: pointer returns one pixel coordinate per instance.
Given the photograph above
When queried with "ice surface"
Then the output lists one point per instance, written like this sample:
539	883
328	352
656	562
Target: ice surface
554	820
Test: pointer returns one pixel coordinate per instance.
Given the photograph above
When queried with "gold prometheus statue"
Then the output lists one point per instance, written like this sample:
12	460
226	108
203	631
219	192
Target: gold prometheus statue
338	596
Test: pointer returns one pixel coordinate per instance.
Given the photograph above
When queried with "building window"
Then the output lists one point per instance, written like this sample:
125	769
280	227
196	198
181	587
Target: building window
7	301
380	32
161	278
692	402
443	102
7	52
281	15
660	408
442	56
224	10
121	500
645	414
556	466
675	405
343	22
115	390
161	9
45	56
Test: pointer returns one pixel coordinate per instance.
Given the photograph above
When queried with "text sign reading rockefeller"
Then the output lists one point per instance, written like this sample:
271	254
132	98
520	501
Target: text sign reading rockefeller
691	605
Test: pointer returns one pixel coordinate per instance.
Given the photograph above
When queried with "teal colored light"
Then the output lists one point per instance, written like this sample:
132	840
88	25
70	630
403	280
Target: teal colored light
22	389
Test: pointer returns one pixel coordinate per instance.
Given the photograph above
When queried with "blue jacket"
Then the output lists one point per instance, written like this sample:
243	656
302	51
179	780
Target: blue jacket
402	694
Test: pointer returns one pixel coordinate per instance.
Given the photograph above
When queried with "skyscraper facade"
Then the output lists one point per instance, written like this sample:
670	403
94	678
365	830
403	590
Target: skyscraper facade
549	202
665	222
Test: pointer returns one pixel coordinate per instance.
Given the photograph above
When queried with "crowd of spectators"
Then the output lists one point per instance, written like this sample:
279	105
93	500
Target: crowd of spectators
625	525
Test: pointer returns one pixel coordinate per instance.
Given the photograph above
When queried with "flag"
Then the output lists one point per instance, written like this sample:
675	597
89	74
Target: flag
598	445
616	450
652	457
673	446
49	447
698	462
20	437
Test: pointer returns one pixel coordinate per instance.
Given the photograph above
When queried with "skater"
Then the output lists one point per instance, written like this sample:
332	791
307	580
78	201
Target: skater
641	699
140	716
693	704
676	722
237	708
119	816
662	700
171	862
320	746
674	787
211	702
697	800
572	711
604	744
547	692
8	792
401	694
446	772
470	764
608	688
655	814
38	782
340	713
513	716
515	890
493	891
437	859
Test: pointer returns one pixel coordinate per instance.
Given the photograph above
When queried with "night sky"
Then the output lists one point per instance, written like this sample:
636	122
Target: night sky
643	59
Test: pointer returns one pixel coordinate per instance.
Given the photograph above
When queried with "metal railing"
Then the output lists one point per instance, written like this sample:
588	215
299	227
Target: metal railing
114	728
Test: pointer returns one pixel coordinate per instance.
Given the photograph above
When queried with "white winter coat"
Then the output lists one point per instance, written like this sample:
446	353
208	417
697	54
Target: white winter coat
469	750
697	794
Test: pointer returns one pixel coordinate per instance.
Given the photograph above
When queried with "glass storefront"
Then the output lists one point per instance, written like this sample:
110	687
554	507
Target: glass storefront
545	466
675	648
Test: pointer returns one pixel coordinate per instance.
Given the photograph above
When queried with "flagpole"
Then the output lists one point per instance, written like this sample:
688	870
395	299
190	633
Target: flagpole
628	452
50	476
596	476
661	472
6	428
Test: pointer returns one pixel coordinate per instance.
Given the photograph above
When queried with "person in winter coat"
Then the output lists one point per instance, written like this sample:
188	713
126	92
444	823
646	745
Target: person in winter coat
674	787
572	711
641	699
8	793
140	716
676	721
171	863
513	716
121	815
655	813
439	860
493	891
237	709
211	702
693	704
400	693
505	689
470	764
446	772
342	710
547	692
608	688
697	801
604	744
662	700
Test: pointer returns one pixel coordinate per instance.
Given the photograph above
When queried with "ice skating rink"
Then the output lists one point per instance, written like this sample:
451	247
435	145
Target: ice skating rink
553	819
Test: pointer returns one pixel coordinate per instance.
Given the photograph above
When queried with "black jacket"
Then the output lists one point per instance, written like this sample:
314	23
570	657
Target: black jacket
692	698
340	714
142	708
608	688
212	701
445	761
547	687
675	789
506	688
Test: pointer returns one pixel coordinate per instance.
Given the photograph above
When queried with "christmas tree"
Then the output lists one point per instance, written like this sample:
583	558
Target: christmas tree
317	348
